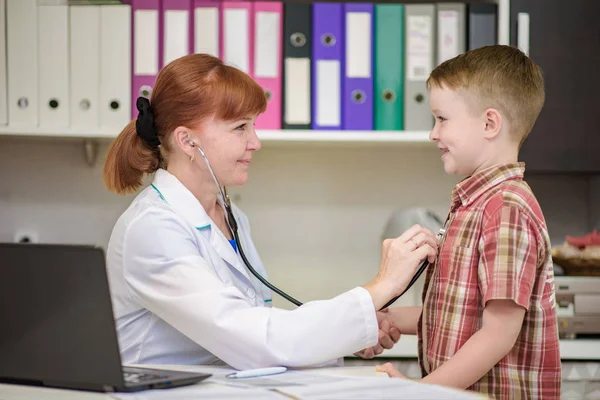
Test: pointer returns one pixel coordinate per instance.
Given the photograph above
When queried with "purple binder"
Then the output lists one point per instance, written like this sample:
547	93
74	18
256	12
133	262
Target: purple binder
328	44
142	84
357	103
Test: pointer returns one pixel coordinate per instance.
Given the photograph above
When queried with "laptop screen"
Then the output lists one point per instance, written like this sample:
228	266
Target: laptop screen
57	324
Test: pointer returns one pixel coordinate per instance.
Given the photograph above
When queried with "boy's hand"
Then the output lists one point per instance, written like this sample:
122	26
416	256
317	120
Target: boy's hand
388	336
389	369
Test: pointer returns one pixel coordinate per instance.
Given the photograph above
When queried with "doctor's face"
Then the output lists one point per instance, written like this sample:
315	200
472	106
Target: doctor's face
229	147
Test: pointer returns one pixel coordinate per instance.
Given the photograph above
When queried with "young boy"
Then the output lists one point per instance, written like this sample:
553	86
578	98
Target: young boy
488	321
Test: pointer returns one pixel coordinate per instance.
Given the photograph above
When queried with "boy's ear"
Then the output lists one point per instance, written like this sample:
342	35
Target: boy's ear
493	123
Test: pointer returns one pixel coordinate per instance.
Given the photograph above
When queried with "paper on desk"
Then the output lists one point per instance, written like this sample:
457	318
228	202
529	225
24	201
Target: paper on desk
203	390
375	388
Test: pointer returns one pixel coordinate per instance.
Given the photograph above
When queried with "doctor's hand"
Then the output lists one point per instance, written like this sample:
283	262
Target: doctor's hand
388	336
400	259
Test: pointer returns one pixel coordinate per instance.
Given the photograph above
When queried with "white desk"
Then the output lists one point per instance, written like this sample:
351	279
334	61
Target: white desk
205	388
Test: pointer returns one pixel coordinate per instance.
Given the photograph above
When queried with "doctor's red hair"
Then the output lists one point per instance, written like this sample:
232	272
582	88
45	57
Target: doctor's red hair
187	90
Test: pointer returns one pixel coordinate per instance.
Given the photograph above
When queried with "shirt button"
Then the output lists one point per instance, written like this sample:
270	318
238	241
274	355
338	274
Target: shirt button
251	293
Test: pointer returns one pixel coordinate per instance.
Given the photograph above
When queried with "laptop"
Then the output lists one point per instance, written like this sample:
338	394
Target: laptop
57	326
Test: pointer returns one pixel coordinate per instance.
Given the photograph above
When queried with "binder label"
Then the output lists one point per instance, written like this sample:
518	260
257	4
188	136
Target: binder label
419	51
145	42
358	47
266	58
448	34
207	30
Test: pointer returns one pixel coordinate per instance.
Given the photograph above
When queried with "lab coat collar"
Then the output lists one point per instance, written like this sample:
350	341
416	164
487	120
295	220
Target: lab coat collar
171	190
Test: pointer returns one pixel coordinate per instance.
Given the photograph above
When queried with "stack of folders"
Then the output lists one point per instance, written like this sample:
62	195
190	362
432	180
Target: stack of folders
329	66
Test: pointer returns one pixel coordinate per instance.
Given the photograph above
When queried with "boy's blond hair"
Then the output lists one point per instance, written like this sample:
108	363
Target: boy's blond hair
500	77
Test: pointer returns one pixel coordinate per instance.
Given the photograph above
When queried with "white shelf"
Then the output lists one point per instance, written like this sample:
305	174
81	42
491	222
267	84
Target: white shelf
576	349
58	132
268	137
348	137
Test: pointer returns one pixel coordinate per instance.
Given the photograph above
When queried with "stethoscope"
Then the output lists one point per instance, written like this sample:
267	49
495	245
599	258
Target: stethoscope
225	203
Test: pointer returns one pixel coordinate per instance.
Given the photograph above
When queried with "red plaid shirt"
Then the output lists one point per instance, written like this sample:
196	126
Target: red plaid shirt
496	247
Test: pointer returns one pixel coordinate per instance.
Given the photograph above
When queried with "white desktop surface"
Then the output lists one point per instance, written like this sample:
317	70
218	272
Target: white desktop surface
13	392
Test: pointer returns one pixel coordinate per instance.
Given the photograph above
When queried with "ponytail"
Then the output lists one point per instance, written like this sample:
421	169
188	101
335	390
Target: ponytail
128	158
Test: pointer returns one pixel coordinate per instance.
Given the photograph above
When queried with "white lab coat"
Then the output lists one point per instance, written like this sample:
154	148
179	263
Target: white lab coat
182	295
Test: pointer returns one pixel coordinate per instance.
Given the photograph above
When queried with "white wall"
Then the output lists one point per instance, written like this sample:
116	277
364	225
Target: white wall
317	213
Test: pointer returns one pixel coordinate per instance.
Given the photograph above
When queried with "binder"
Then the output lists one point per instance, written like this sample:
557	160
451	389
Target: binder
451	31
420	54
389	67
483	25
3	89
327	66
84	66
53	39
115	66
267	59
177	32
145	49
358	77
22	62
297	53
207	17
237	41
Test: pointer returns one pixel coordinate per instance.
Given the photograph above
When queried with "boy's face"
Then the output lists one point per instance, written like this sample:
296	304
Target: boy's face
458	132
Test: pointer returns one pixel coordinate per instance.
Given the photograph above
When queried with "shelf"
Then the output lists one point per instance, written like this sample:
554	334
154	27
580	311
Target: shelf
343	137
24	131
576	349
268	137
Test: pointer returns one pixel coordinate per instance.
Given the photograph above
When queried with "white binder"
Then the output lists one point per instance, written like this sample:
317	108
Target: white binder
115	66
85	66
3	94
22	62
53	39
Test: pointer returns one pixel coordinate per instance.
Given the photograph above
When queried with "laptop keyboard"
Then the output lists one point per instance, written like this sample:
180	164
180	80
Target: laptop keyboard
137	377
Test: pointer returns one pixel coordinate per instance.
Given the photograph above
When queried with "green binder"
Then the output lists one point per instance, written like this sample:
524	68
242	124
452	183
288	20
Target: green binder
389	67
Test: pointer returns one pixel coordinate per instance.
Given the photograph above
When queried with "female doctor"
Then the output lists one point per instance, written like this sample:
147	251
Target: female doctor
181	293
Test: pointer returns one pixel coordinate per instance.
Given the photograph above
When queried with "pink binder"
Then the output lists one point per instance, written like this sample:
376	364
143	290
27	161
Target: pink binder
146	49
237	35
268	33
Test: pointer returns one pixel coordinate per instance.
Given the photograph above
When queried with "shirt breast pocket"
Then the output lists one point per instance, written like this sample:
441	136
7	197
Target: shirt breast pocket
460	275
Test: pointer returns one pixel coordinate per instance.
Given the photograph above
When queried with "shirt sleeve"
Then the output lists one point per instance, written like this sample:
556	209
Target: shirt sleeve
508	250
167	275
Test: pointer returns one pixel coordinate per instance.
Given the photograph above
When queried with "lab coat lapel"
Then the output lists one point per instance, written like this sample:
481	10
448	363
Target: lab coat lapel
219	242
185	204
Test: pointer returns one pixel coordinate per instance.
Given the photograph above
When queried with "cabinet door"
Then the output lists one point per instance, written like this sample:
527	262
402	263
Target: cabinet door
565	42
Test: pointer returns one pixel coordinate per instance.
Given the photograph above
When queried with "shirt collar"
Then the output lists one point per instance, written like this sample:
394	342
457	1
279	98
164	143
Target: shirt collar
471	188
171	190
